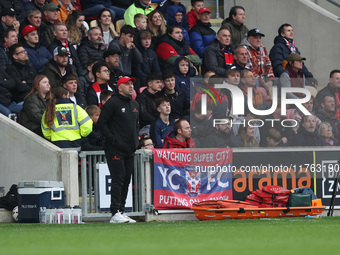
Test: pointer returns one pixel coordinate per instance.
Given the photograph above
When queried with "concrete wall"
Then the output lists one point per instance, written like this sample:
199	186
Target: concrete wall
316	31
26	156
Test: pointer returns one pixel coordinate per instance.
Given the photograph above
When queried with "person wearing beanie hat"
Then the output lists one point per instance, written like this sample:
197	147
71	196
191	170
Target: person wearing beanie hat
37	54
118	122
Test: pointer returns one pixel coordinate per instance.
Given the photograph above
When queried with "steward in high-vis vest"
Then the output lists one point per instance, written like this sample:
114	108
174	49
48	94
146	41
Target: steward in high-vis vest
65	123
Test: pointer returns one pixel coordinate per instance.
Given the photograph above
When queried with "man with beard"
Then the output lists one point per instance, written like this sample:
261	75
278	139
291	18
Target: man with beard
222	136
58	67
112	60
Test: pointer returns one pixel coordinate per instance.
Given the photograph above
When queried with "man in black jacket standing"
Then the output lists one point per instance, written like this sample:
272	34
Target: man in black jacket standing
118	122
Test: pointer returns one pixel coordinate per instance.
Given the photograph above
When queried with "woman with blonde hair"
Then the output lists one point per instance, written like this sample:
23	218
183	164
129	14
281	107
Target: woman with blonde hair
247	135
105	22
35	104
156	25
75	27
325	130
65	123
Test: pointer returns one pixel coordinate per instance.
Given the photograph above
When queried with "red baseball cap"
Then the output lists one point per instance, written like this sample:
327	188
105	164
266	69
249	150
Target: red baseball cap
29	29
125	79
204	9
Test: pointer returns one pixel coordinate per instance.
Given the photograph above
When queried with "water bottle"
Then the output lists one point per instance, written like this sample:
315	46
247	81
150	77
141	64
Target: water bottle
60	215
48	215
67	215
42	215
76	215
53	215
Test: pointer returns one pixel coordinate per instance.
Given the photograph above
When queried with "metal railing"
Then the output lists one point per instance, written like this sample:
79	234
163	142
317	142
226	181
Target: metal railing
90	183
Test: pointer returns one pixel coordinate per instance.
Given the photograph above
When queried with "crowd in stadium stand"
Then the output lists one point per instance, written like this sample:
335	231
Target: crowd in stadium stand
90	47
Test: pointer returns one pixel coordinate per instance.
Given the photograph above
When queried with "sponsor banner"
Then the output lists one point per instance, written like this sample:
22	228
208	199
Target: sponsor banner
183	177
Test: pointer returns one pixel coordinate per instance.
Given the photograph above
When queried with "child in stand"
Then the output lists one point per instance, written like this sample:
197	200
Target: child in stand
95	140
192	14
141	22
182	75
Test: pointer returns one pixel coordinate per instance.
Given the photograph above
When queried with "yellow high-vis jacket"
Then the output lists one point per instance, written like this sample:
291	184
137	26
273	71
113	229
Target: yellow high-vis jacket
70	124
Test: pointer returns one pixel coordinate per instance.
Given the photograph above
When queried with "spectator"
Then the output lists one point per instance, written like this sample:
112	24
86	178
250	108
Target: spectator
145	143
129	53
247	135
325	130
95	140
58	67
34	19
92	7
8	20
258	59
326	113
35	4
248	82
7	84
235	24
75	27
293	76
105	96
332	88
141	22
35	104
16	5
147	102
139	6
182	75
307	135
120	128
240	59
192	14
101	72
176	14
248	118
284	45
180	138
273	138
164	6
156	25
232	76
201	35
112	60
48	23
150	59
66	7
61	34
70	83
37	54
163	125
179	104
218	56
21	71
85	81
222	136
91	46
172	46
9	39
64	123
105	23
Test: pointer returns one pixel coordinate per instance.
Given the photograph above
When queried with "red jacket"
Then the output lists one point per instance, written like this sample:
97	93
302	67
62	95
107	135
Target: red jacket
171	142
192	18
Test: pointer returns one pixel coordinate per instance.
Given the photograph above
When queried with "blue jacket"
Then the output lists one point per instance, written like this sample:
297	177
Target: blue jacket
182	82
201	36
39	56
173	9
159	130
278	53
164	6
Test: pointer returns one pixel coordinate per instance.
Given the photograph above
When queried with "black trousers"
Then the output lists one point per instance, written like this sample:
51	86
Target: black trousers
121	168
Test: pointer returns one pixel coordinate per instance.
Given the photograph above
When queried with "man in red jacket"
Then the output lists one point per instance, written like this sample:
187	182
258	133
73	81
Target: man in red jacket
180	138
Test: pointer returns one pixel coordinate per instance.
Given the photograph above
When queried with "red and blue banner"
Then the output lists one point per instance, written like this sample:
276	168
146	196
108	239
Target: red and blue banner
183	177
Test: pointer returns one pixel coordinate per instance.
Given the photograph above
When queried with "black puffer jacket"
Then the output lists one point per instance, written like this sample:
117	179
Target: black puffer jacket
87	50
7	84
148	108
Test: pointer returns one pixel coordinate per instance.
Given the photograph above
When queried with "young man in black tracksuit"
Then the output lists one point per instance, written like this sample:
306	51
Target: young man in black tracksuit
118	122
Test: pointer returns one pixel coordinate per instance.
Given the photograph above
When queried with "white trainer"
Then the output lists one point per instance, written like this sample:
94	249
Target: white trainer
128	218
118	218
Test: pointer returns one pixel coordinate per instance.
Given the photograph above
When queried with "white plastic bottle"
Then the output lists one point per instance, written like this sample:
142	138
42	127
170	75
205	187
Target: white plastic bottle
53	215
42	215
60	215
67	215
76	215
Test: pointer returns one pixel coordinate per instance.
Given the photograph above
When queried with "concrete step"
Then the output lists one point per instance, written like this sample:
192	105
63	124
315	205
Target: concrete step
5	216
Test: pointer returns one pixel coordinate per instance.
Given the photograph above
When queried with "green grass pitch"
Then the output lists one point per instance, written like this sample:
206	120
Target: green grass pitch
259	236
